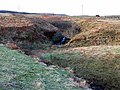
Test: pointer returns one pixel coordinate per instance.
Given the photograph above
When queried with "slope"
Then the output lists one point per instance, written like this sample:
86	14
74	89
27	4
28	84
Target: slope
20	72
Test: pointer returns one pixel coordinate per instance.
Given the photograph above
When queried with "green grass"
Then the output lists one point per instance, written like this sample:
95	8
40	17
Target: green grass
20	72
117	51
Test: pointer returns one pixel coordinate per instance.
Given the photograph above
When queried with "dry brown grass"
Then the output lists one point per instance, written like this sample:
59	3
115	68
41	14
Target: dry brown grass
97	32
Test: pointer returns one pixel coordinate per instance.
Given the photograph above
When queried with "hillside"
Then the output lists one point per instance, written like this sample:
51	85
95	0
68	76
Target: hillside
65	24
97	32
20	72
26	33
98	64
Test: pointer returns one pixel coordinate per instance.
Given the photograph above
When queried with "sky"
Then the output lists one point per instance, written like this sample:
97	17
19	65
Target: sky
69	7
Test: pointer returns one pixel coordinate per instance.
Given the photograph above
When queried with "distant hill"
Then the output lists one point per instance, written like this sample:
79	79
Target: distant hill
7	11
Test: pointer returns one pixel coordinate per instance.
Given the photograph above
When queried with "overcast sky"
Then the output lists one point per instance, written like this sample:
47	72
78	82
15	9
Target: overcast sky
69	7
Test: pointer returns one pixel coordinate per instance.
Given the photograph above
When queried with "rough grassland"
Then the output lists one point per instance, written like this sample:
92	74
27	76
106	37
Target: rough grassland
97	32
20	72
99	64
